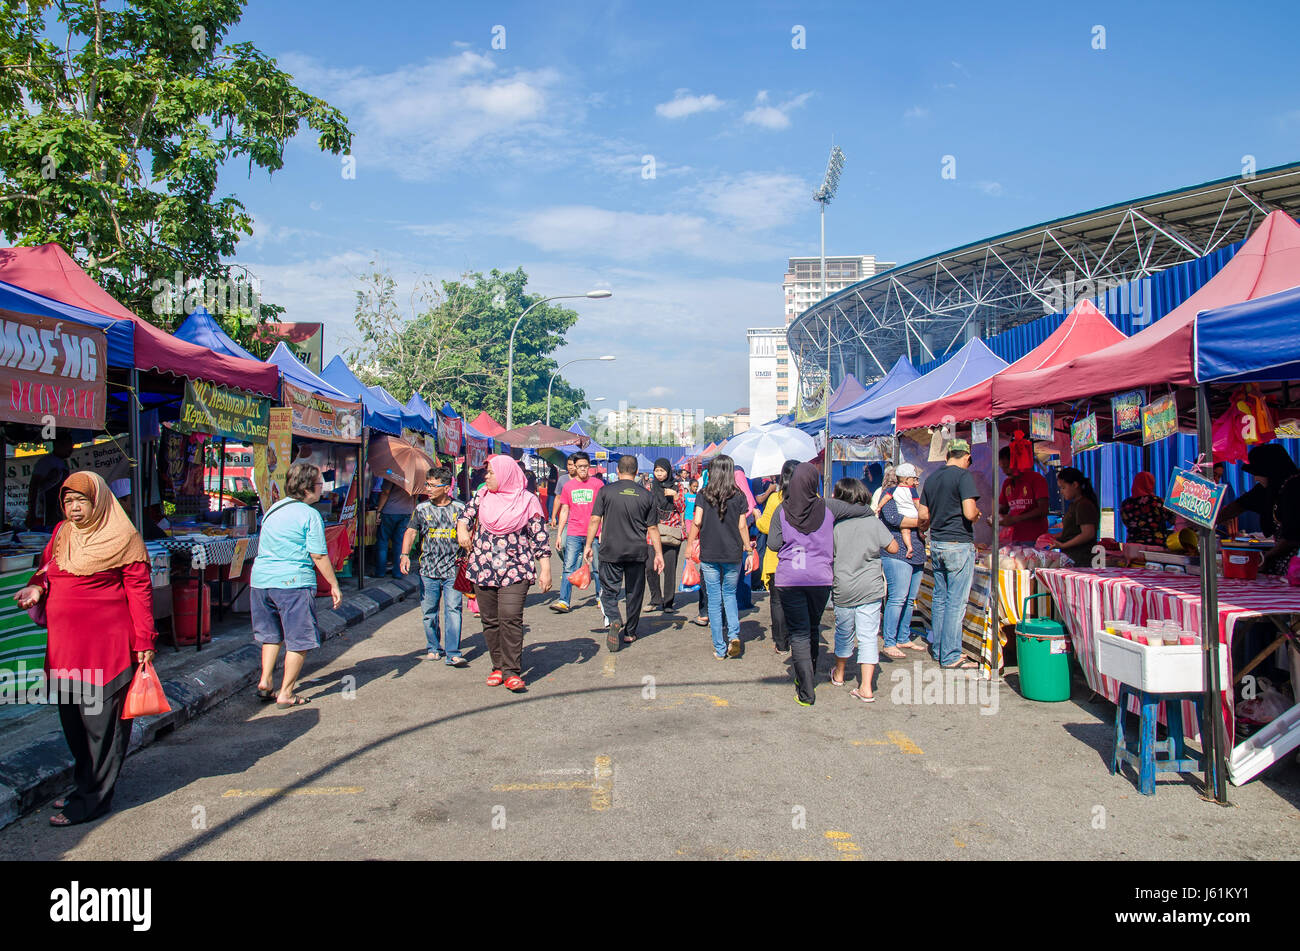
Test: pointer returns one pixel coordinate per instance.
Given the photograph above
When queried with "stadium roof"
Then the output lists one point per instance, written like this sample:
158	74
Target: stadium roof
931	307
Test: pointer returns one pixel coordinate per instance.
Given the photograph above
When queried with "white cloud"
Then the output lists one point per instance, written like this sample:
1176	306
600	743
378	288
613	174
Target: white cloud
683	104
770	116
755	200
916	112
659	391
315	205
992	189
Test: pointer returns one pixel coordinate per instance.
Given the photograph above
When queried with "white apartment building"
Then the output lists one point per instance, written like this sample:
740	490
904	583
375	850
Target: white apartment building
803	278
655	424
773	380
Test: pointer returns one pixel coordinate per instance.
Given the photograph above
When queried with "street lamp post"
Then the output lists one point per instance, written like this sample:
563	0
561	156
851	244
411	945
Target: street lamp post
510	368
557	373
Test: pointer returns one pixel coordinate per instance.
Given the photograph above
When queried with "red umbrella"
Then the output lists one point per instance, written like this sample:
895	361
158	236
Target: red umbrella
538	436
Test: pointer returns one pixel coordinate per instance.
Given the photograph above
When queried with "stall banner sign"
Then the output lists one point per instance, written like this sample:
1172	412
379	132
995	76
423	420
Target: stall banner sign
271	460
222	411
349	511
448	435
1040	424
1126	412
319	417
1195	497
1159	420
855	449
1083	434
478	451
237	559
53	371
106	458
979	432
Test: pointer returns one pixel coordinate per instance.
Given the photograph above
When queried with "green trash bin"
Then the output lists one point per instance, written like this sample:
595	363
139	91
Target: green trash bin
1044	664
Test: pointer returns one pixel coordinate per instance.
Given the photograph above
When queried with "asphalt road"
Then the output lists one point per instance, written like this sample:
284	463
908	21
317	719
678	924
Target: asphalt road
657	752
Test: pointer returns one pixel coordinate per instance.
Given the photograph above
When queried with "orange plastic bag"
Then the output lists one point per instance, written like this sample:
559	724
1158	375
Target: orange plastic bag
693	552
581	577
145	696
751	563
691	574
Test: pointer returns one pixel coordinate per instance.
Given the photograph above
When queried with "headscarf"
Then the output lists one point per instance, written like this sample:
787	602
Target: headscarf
804	508
106	540
661	500
1144	483
509	508
742	484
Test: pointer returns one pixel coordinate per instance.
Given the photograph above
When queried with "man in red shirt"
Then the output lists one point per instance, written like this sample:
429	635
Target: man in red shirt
1022	502
575	504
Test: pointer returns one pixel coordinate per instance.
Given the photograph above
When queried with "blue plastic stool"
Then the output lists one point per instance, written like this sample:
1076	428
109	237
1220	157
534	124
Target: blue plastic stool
1143	756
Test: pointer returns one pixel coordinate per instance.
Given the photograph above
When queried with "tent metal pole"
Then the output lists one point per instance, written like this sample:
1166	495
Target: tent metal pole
133	427
221	477
363	491
995	587
1213	734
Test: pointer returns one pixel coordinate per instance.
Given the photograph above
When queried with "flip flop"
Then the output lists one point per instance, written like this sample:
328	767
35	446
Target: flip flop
265	695
59	803
295	702
966	664
854	693
61	820
698	623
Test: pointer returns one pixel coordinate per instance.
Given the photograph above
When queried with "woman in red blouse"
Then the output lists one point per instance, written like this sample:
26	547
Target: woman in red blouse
99	608
510	537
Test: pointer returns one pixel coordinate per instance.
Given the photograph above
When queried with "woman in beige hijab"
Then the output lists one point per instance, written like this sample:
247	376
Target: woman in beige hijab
94	583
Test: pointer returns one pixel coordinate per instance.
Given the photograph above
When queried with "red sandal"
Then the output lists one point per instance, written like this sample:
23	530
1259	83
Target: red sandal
495	678
515	683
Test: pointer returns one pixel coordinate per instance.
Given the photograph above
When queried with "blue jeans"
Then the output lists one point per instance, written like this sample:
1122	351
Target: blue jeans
863	624
441	590
954	570
391	528
573	545
720	580
904	581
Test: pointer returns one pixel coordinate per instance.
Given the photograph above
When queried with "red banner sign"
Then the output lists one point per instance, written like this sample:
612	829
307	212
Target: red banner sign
52	371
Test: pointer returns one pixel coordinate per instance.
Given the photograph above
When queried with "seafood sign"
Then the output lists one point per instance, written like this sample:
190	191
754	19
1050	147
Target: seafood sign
1194	498
52	370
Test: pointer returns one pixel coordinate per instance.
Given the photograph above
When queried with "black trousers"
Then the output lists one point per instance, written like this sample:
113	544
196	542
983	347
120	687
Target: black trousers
98	743
803	613
780	635
502	613
613	576
662	594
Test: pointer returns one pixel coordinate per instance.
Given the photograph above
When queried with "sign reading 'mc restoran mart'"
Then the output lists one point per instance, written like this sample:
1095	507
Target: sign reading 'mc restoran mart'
52	368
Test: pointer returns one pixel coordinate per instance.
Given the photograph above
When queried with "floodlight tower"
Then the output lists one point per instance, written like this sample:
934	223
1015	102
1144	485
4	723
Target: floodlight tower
823	197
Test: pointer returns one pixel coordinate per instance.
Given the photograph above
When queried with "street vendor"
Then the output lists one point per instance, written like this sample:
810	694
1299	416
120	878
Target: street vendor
1276	499
1022	503
1079	526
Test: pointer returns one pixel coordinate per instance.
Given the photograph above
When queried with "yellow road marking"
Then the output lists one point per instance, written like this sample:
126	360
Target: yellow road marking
896	738
538	787
668	703
602	791
849	850
608	669
716	701
304	791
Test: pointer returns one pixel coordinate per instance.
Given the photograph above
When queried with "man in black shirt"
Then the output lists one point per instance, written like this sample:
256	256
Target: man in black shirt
626	512
950	495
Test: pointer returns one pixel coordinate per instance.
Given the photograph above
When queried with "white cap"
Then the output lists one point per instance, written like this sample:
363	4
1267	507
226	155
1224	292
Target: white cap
907	471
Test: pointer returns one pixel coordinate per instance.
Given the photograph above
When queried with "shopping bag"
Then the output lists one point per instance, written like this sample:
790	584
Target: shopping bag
462	582
693	552
581	577
691	574
751	563
145	696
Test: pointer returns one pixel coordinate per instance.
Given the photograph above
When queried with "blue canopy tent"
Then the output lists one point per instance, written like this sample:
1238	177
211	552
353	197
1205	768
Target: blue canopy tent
120	333
643	464
410	418
1255	340
201	328
592	449
376	414
899	375
874	415
298	374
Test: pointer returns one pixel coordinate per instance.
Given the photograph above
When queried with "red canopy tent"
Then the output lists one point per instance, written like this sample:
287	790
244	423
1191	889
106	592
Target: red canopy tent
48	270
487	425
1161	354
1086	330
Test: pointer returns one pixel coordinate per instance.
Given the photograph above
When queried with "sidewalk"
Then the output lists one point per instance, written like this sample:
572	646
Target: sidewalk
35	764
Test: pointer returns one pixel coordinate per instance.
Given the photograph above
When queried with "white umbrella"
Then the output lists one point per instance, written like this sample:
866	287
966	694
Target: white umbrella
763	450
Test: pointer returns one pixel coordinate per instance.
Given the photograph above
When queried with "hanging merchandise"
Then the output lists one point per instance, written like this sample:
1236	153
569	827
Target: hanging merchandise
1159	419
1040	424
979	432
1126	412
1022	453
1258	422
939	440
1083	434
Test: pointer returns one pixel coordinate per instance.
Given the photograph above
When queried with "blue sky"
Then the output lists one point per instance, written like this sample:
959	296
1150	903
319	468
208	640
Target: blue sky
470	157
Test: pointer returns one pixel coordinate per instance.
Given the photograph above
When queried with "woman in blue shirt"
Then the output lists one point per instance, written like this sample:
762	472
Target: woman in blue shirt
290	550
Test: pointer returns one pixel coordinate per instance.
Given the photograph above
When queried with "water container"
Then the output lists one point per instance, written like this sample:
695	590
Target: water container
1041	650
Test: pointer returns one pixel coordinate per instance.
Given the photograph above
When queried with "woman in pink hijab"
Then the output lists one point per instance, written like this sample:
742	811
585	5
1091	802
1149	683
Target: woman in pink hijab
509	550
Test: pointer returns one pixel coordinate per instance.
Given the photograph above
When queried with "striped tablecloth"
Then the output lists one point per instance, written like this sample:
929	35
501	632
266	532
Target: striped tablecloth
1087	599
220	550
977	624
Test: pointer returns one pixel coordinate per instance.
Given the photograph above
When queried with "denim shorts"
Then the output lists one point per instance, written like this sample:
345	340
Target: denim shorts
285	615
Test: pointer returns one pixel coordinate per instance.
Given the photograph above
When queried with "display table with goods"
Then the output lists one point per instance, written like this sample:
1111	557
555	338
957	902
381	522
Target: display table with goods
1141	627
200	557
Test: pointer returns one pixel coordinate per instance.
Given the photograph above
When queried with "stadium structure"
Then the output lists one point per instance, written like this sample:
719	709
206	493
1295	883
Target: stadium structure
928	309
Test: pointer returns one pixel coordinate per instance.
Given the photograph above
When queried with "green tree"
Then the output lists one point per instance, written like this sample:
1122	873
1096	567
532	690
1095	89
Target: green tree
114	125
715	432
454	345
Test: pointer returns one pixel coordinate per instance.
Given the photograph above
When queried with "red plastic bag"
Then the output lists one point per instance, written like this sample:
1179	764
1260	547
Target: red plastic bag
145	696
691	574
693	553
581	577
751	563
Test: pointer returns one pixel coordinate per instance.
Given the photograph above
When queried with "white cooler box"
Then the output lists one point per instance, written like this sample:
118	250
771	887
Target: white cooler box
1166	669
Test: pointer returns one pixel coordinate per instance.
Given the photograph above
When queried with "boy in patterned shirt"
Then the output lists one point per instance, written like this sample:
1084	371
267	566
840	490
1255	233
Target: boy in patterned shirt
434	521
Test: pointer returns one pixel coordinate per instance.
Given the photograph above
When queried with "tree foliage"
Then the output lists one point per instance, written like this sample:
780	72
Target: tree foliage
452	343
114	124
